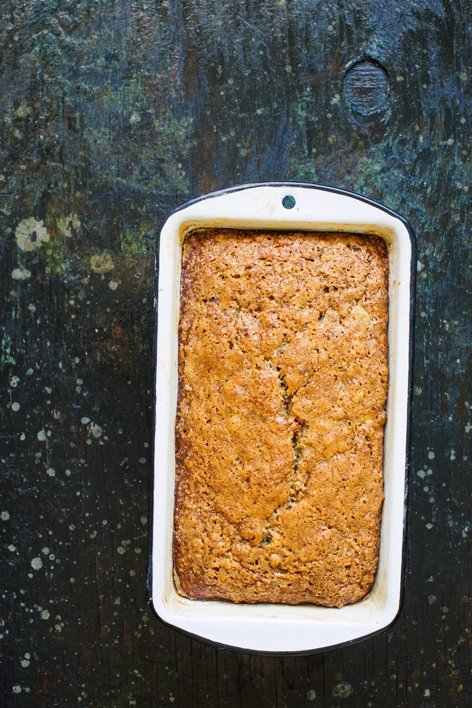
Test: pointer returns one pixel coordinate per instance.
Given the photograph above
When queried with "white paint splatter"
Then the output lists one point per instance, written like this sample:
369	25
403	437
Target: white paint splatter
342	690
30	234
65	224
41	435
51	472
96	430
101	263
5	515
45	615
85	420
45	550
23	110
431	455
113	285
21	273
16	689
37	563
24	663
311	695
15	406
452	455
11	547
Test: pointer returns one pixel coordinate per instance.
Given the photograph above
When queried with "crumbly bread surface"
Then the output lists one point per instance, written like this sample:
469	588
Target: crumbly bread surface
283	379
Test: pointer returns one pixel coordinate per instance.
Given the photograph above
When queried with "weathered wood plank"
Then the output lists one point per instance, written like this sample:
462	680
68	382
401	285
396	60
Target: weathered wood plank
113	113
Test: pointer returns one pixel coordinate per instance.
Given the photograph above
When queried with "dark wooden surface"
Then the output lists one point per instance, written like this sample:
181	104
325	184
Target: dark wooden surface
112	113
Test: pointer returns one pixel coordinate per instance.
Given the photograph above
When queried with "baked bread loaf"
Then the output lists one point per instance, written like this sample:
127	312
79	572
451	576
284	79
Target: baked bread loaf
283	378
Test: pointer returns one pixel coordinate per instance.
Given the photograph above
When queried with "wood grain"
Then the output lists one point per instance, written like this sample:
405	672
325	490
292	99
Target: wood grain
112	114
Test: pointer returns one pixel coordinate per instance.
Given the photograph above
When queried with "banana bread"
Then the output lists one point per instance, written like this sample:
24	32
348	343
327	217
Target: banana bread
283	380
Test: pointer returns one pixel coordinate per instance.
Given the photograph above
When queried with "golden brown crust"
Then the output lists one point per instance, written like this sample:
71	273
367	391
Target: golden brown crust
281	410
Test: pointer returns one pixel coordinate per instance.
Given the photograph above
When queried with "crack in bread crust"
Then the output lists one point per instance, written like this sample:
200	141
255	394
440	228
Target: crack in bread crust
283	382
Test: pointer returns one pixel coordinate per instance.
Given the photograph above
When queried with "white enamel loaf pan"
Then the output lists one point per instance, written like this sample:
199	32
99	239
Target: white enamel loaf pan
262	627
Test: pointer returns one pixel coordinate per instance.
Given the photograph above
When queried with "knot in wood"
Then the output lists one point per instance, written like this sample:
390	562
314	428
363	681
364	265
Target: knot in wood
366	87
